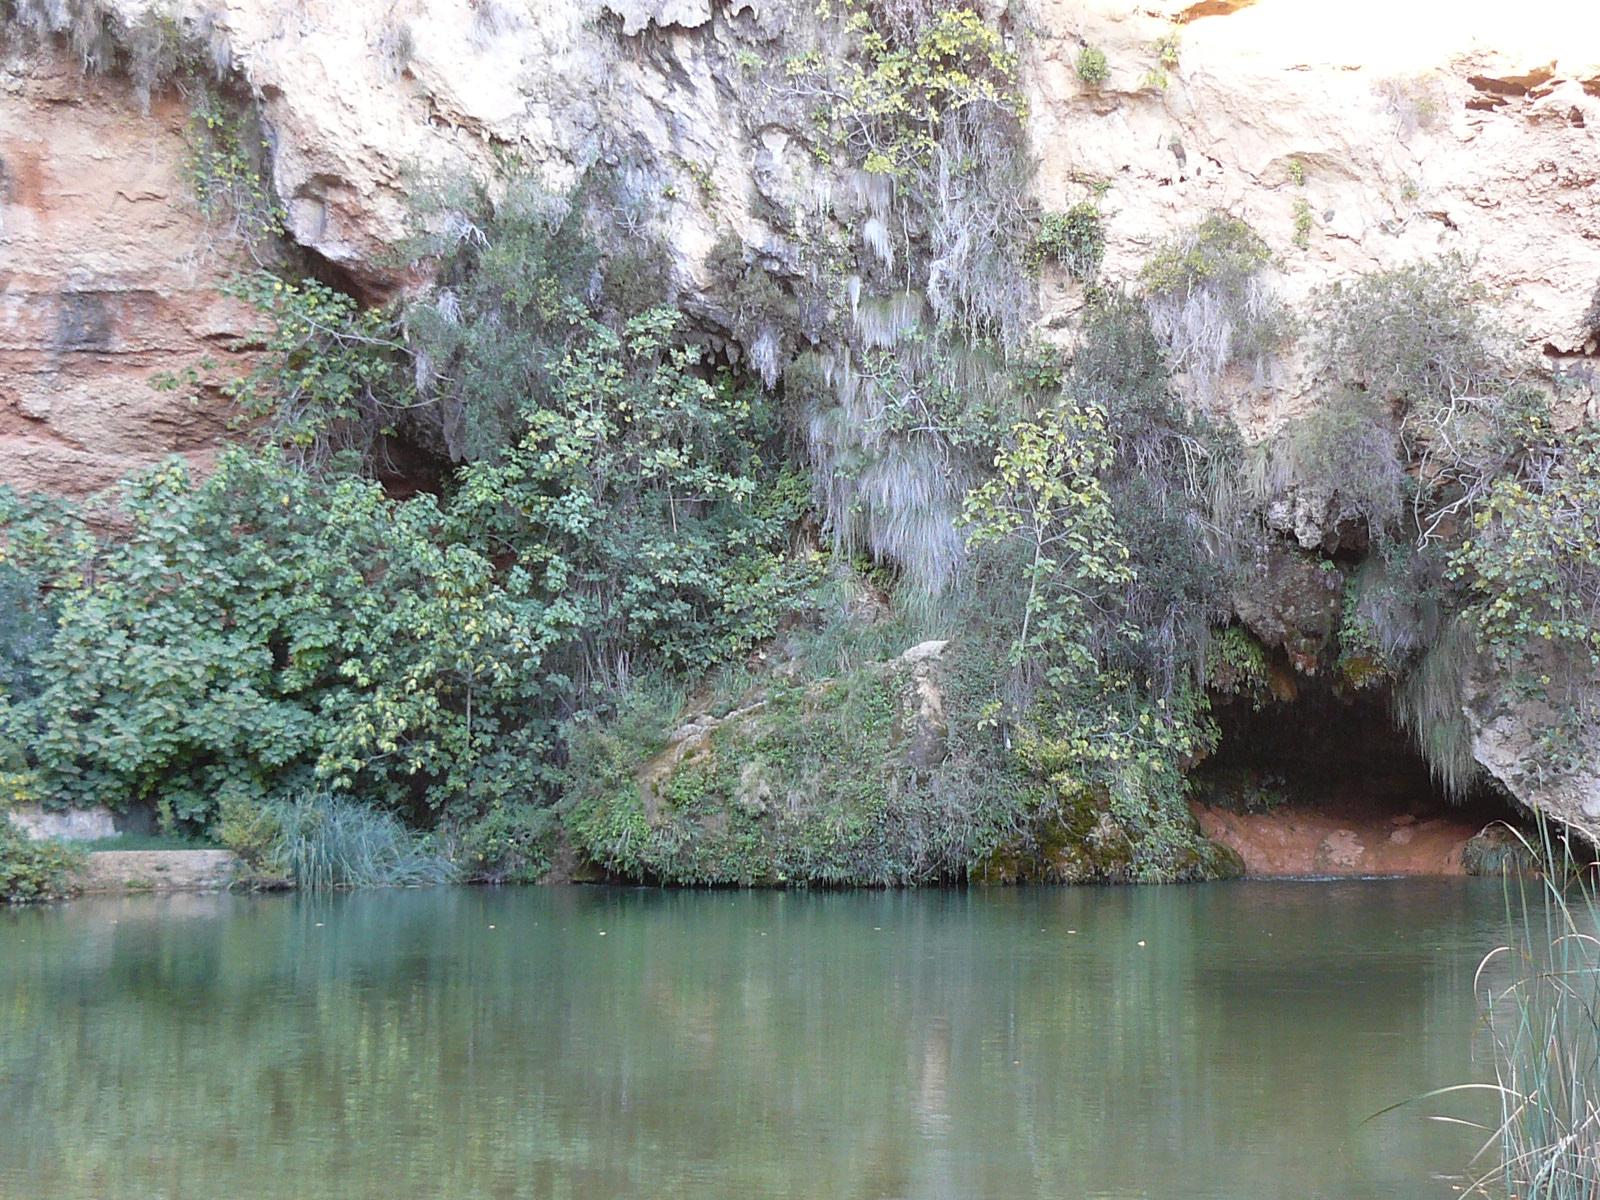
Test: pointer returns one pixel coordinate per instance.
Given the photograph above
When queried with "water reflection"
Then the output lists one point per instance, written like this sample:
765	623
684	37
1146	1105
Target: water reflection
1222	1041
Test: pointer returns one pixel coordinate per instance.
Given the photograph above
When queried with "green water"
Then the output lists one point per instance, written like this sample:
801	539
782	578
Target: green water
1221	1041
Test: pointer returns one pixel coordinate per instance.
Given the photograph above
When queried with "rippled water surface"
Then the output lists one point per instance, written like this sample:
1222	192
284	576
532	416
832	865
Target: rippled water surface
1223	1041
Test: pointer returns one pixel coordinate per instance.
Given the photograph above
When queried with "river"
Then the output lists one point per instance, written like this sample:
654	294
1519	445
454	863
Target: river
1225	1041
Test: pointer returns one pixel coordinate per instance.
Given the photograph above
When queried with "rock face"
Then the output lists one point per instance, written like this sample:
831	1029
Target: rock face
1352	137
1460	132
71	824
1335	841
108	275
1515	740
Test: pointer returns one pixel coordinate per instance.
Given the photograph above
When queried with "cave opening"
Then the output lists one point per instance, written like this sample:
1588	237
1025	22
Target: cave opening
1324	782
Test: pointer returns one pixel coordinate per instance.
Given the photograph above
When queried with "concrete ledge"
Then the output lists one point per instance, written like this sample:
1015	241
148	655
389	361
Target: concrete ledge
159	871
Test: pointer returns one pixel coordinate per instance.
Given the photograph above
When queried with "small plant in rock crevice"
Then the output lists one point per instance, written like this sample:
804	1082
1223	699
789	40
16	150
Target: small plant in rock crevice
1092	67
1076	239
1304	220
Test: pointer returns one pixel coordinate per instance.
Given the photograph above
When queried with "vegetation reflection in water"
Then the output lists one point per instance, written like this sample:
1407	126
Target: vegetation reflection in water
1226	1041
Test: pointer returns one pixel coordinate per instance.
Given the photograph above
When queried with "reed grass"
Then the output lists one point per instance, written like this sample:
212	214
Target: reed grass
1541	996
328	843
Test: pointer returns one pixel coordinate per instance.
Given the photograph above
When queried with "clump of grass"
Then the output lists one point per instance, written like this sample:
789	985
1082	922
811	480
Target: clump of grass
324	842
1428	705
1209	301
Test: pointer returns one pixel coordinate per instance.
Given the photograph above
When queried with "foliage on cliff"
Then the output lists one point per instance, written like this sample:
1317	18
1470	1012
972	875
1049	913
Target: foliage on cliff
274	626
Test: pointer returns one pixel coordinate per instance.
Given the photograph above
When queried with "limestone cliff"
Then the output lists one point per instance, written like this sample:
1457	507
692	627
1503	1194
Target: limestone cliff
1351	136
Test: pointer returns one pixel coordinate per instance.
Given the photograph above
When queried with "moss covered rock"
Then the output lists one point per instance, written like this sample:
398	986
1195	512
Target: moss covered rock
851	780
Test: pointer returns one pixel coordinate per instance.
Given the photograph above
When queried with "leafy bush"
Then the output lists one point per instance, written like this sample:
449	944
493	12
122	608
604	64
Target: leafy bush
1304	221
1236	664
1076	239
329	381
264	626
1531	567
275	627
1167	478
34	870
511	843
1081	714
227	174
25	626
1414	335
513	279
888	96
1346	450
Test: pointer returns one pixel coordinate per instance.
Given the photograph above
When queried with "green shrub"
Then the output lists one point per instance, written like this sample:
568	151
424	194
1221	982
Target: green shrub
25	628
266	626
1304	220
1414	335
1076	239
1396	605
891	90
329	381
1080	709
1237	665
254	832
34	870
512	284
227	173
1092	66
511	843
285	623
1167	479
1531	568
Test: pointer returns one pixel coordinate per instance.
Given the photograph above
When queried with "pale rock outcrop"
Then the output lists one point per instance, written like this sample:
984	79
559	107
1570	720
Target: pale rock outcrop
1507	732
68	824
1418	129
